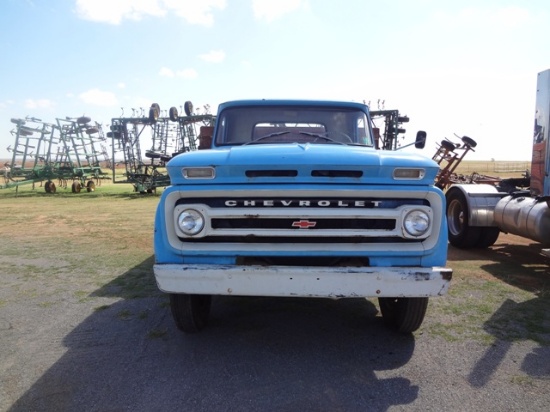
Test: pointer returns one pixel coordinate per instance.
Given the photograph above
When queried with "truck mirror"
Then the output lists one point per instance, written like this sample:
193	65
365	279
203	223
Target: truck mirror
420	139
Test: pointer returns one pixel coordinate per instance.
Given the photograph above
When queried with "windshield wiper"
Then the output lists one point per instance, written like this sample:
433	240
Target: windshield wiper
267	136
324	137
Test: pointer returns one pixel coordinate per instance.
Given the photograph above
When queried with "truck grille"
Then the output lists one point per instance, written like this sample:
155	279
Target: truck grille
301	220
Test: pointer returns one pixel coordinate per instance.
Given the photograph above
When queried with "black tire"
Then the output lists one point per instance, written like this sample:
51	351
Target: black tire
173	113
403	314
188	108
24	132
448	145
190	312
461	234
469	141
487	237
154	113
83	120
114	135
50	187
76	187
90	186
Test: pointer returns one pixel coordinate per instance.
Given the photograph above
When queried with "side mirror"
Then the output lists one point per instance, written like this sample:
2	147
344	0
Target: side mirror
420	139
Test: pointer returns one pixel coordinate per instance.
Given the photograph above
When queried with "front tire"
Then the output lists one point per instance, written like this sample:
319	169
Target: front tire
403	314
190	312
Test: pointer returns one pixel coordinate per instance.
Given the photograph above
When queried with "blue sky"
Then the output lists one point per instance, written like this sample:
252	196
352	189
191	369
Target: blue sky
465	68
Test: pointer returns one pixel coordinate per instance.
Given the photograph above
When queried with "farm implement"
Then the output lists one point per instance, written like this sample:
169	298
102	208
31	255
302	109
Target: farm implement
163	134
70	150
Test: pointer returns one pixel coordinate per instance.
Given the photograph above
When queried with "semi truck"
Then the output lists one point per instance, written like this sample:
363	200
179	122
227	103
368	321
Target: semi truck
478	213
295	198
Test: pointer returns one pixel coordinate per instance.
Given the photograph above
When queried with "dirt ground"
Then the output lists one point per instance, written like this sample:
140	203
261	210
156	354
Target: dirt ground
83	327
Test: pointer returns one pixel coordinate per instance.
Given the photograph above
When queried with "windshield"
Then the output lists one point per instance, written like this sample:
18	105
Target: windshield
292	124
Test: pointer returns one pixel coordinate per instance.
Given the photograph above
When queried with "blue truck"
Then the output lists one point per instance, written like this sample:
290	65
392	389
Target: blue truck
293	198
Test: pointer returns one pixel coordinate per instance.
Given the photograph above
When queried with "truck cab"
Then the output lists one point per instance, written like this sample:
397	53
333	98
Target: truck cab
293	199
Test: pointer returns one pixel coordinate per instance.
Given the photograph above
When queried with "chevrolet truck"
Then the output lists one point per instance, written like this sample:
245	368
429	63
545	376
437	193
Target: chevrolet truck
292	198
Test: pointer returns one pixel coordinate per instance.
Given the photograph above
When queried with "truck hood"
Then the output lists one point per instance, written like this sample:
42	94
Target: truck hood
302	163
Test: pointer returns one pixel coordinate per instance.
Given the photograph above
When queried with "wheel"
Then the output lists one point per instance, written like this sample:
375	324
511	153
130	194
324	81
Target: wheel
190	312
154	113
114	135
448	145
469	141
173	113
50	187
92	130
404	314
461	234
90	186
76	187
83	120
24	132
487	237
188	108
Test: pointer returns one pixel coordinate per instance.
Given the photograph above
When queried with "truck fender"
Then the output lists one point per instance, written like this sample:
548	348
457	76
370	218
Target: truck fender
481	200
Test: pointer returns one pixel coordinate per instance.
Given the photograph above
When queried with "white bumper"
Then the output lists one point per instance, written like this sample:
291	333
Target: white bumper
299	281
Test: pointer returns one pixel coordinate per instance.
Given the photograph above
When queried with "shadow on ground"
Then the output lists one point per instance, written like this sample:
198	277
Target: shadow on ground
257	354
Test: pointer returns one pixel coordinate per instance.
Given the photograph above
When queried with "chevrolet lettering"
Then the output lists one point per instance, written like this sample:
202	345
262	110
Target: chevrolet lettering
302	203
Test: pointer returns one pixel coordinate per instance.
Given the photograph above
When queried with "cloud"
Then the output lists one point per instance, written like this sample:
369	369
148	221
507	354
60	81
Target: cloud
187	73
506	17
98	97
271	10
114	12
39	104
196	12
166	72
511	16
213	56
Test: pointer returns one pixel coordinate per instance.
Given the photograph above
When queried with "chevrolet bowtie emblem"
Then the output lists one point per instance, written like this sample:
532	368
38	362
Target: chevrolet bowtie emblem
303	224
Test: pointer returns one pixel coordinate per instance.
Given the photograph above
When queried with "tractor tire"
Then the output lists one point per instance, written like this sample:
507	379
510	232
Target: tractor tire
76	187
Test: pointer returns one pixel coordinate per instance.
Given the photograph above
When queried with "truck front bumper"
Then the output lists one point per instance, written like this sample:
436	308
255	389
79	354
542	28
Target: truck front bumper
300	281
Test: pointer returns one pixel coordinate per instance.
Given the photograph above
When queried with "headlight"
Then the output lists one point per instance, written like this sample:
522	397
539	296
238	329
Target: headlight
190	222
416	222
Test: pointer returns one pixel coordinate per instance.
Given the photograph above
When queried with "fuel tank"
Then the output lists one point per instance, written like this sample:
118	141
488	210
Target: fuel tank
524	216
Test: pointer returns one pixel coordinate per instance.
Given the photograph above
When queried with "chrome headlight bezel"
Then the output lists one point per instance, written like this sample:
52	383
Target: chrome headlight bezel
191	222
416	223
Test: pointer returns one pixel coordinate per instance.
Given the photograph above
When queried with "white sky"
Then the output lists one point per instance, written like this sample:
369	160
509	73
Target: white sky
454	67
